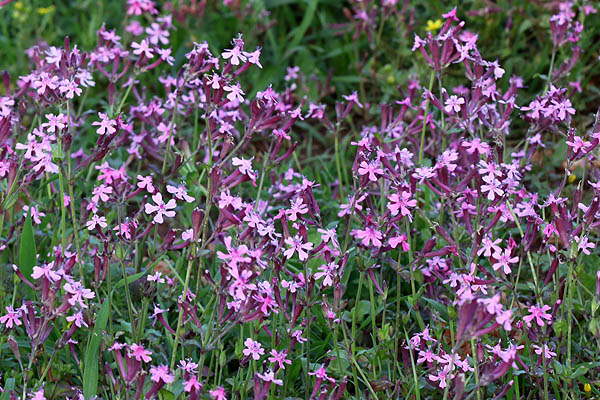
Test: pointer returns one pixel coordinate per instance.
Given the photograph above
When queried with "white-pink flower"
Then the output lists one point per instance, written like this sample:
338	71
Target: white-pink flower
160	208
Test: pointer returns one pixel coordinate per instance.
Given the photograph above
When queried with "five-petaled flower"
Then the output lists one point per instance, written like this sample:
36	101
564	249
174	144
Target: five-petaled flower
160	208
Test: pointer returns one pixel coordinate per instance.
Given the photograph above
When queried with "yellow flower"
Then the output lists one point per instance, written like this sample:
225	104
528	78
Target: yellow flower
572	178
433	25
45	10
587	388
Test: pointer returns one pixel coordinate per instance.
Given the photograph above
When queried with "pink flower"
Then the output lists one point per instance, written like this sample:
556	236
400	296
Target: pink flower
327	271
161	373
402	240
488	246
453	103
279	358
539	313
548	354
96	220
192	384
106	125
140	353
401	202
254	57
180	193
235	54
297	208
218	393
78	294
12	318
370	169
145	182
492	186
47	272
70	88
296	244
253	349
584	245
269	376
161	208
578	144
235	92
321	373
142	47
369	235
504	261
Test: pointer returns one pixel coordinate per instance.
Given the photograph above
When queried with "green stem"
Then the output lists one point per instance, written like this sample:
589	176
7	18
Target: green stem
425	115
171	129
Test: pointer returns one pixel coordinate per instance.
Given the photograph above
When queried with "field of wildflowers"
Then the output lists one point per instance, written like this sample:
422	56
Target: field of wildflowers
299	199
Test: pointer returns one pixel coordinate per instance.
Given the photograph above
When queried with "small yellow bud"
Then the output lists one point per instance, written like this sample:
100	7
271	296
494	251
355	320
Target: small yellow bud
45	10
572	178
587	388
433	25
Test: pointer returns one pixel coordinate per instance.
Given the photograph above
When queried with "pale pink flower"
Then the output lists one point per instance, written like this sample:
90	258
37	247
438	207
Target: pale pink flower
160	208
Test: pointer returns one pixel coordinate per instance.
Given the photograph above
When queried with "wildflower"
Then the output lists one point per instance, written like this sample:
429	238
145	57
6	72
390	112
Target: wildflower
269	376
218	394
96	220
433	25
157	34
369	235
78	294
38	395
504	261
12	317
140	353
370	169
401	202
253	349
492	187
402	240
321	373
235	92
453	103
192	384
145	182
548	354
234	54
328	271
254	57
488	246
36	214
279	358
47	272
69	88
142	48
101	192
296	244
539	313
297	207
584	245
106	125
180	193
160	208
161	373
45	81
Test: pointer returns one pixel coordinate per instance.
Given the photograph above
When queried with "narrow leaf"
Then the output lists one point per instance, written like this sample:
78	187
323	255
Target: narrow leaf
90	373
27	249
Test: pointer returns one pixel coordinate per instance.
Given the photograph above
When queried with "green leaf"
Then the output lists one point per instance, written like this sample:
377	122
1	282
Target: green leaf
8	386
131	278
27	250
306	21
90	373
